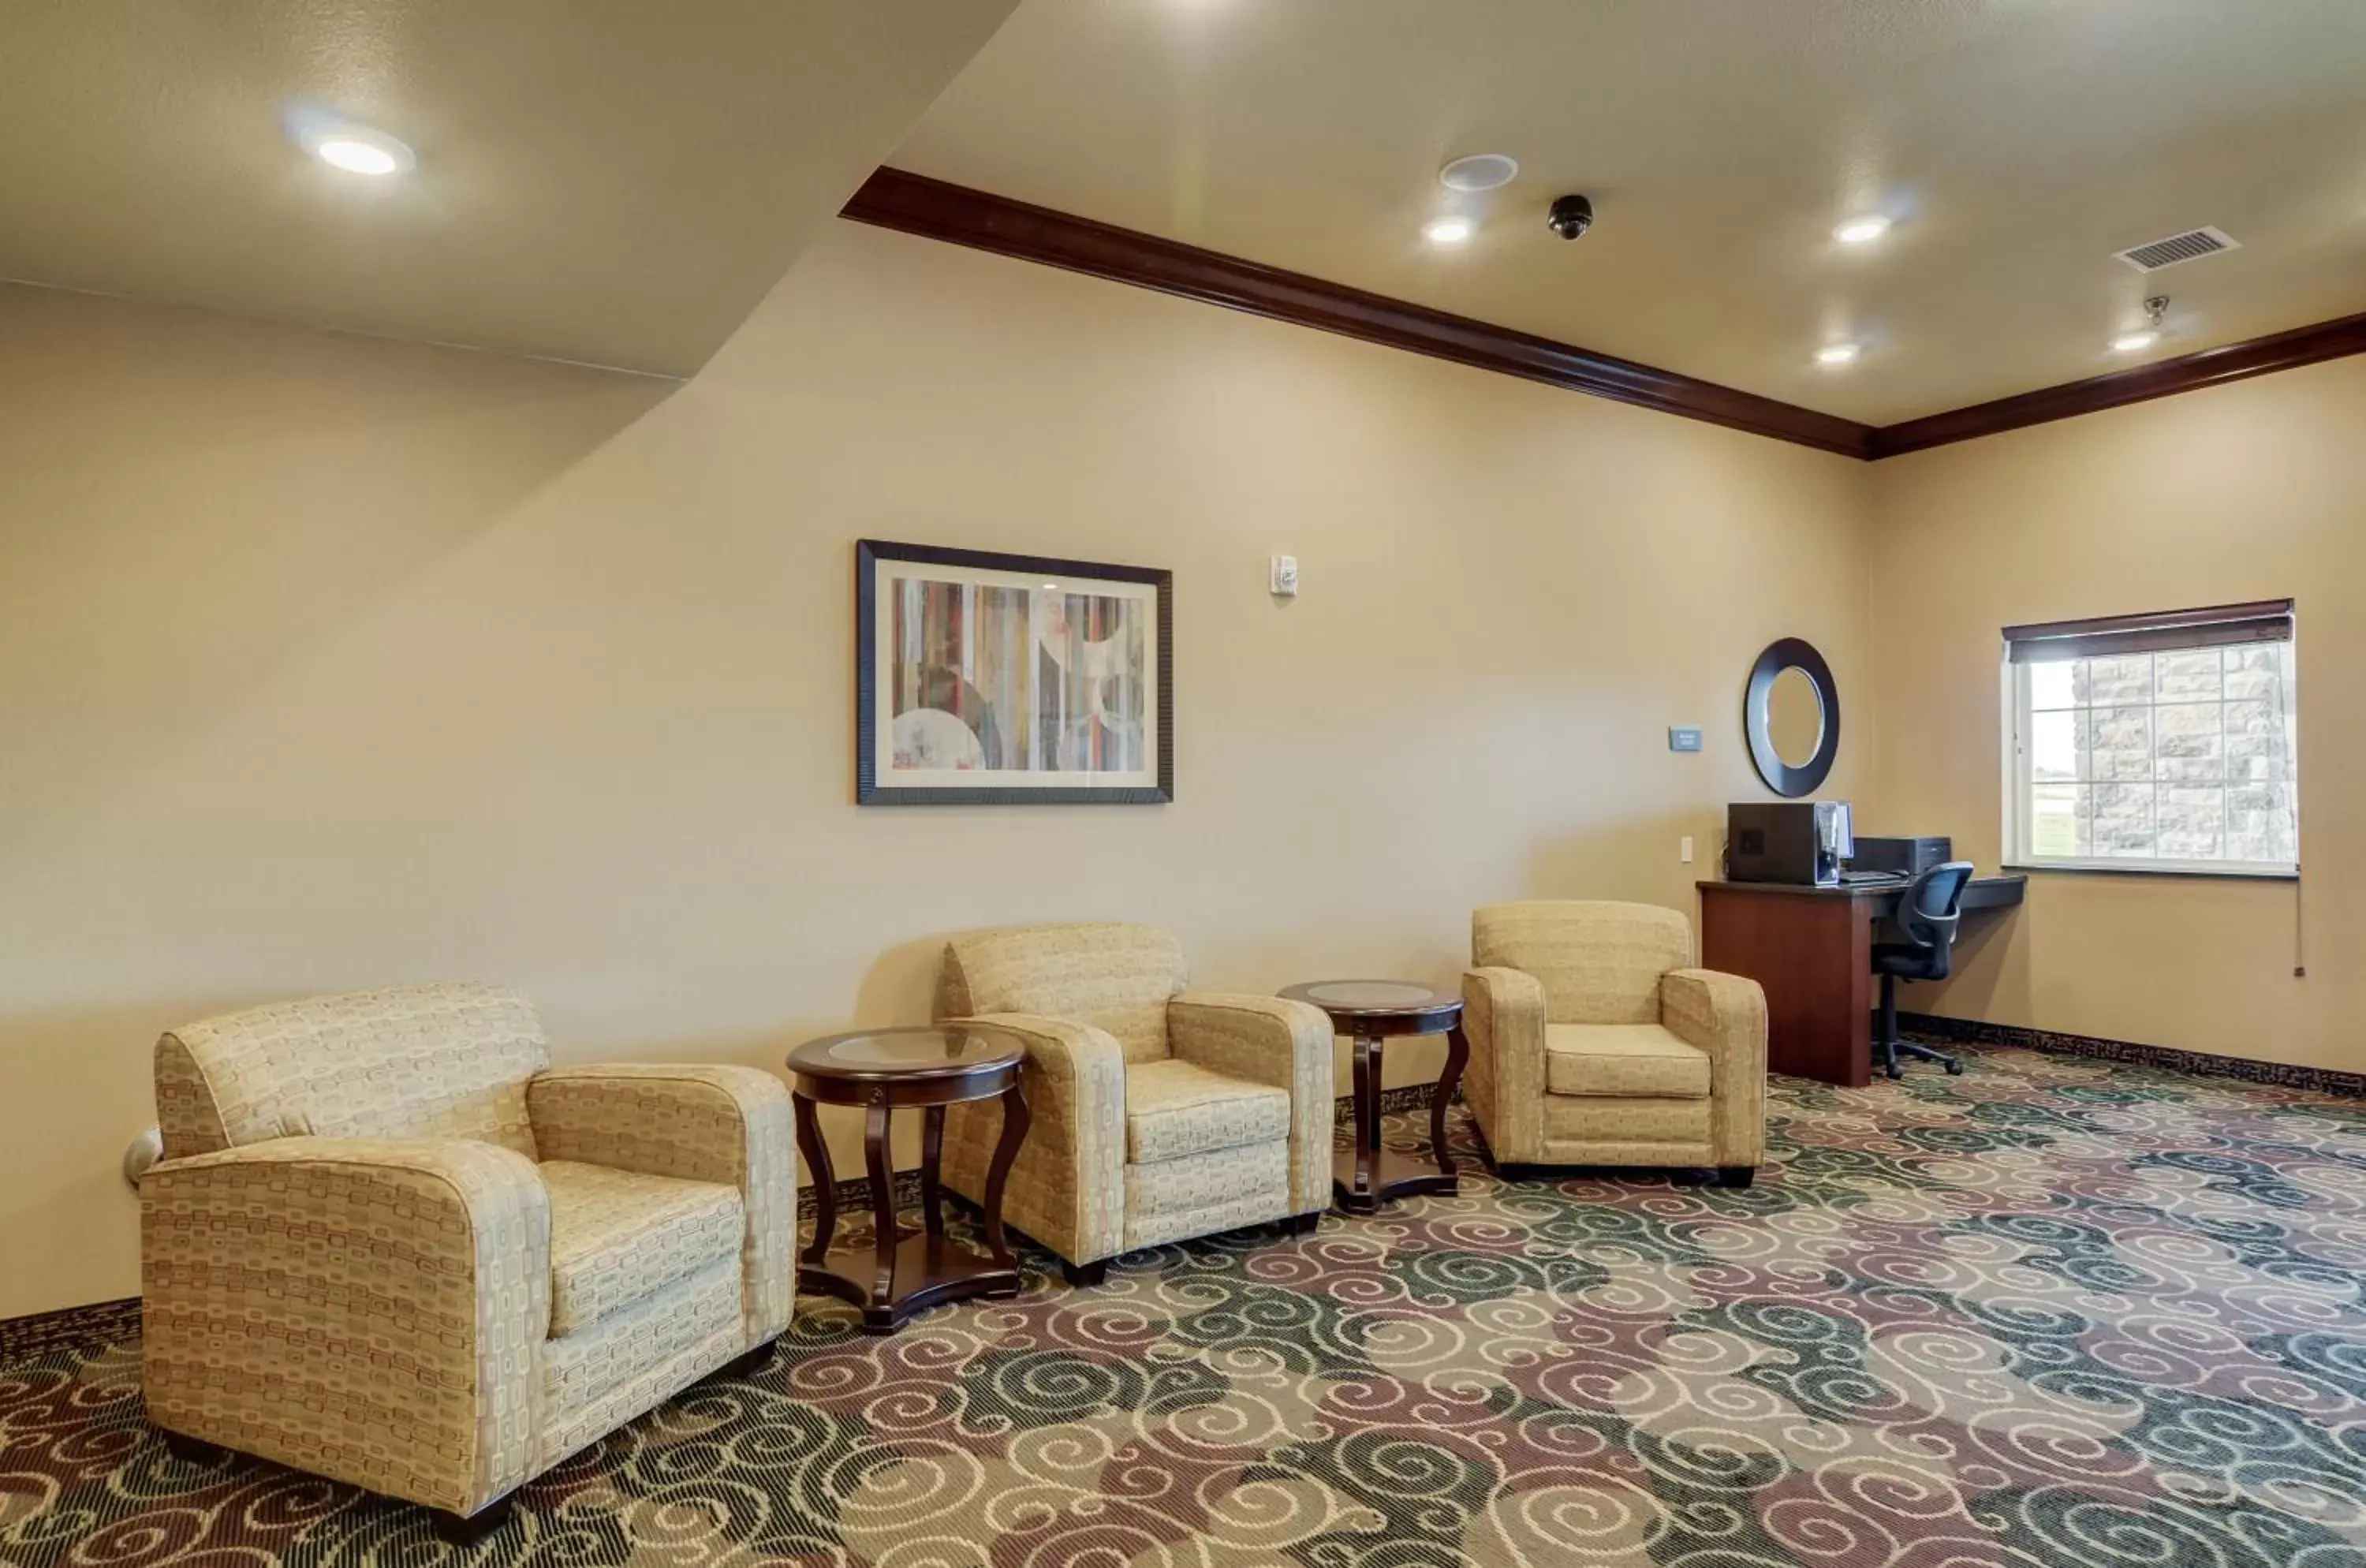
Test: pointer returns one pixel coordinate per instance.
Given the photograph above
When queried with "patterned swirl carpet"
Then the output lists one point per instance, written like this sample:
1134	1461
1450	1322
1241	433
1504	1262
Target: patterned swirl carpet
2054	1312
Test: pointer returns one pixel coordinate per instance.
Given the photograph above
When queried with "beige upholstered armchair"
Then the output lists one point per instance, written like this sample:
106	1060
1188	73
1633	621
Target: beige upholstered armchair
1159	1113
1594	1040
389	1244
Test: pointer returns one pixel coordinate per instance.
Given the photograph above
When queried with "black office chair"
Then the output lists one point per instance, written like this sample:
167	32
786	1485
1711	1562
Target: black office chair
1915	943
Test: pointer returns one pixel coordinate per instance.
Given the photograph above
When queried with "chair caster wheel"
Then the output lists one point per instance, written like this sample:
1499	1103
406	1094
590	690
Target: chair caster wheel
1894	1073
1955	1070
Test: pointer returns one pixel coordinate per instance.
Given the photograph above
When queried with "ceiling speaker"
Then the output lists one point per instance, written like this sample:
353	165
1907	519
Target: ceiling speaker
1480	171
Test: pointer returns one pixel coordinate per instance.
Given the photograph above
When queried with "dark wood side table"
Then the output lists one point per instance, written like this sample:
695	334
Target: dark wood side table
886	1070
1371	1012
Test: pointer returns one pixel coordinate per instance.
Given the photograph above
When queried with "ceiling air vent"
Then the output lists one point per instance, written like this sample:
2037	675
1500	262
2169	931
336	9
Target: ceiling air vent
2185	247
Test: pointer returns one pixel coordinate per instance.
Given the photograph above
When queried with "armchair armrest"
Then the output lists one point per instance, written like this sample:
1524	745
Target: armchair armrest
365	1308
725	1124
1725	1015
1269	1040
1504	1017
1067	1188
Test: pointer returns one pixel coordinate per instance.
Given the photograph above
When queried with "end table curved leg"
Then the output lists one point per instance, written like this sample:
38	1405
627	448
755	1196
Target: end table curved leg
1458	1056
882	1203
1367	1115
932	1159
825	1181
1016	1119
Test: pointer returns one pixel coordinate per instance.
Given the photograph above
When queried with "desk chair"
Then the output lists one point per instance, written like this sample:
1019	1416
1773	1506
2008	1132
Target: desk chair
1915	943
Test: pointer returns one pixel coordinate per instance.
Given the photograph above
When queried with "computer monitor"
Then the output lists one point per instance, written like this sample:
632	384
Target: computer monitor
1802	842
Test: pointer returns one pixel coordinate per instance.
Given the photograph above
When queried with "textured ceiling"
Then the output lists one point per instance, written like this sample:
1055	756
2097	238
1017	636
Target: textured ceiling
2018	143
614	181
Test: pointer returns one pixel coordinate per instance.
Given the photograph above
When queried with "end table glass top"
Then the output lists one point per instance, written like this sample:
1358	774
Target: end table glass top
914	1049
1371	996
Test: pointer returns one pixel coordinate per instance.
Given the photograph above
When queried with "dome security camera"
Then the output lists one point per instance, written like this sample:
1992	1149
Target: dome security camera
1571	216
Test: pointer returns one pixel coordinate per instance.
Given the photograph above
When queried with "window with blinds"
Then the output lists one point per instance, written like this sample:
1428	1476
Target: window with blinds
2164	743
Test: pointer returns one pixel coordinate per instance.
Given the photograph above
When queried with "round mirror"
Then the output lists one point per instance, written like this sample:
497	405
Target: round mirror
1795	716
1791	714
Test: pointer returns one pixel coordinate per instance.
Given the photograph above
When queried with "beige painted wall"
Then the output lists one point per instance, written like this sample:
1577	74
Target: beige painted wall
328	662
2252	491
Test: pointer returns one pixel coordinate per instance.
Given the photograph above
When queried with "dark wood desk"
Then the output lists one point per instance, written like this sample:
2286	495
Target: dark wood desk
1811	948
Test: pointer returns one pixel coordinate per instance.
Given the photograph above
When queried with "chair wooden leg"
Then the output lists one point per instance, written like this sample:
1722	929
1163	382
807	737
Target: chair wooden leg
1084	1274
193	1450
466	1530
1736	1175
1302	1224
749	1365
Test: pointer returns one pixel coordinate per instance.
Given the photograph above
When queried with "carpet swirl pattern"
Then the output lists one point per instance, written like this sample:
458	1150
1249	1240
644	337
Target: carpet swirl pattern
2055	1312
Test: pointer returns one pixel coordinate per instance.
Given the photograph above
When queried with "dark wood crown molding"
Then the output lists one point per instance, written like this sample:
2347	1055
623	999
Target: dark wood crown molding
917	204
2187	373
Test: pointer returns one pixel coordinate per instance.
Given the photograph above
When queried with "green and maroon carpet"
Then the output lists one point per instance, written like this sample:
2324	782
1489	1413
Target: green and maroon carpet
2054	1312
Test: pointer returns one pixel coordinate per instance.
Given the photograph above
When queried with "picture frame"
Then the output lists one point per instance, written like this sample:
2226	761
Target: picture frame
989	679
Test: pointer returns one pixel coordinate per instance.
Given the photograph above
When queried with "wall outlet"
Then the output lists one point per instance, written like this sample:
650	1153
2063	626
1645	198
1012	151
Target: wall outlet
1285	576
1685	737
1685	849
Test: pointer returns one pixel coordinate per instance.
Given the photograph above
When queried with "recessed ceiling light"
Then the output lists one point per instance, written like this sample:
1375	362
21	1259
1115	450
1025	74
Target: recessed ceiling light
1862	230
1447	230
357	150
1837	354
1480	171
2134	343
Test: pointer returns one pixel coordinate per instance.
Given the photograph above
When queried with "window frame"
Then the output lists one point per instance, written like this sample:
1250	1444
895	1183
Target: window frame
2015	696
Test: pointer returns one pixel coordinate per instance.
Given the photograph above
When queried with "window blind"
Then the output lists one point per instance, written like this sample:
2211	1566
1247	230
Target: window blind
2217	625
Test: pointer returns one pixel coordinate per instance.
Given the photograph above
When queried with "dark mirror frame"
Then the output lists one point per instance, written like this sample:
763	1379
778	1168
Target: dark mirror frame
1790	653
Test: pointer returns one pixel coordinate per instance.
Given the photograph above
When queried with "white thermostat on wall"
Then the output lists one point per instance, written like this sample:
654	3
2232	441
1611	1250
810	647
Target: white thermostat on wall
1285	576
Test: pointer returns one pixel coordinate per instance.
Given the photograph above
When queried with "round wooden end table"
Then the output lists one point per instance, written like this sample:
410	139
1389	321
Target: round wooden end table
883	1071
1371	1012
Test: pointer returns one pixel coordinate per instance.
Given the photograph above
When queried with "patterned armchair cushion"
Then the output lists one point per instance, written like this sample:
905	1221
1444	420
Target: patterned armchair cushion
1118	979
1624	1060
1599	962
618	1238
1174	1109
446	1061
725	1124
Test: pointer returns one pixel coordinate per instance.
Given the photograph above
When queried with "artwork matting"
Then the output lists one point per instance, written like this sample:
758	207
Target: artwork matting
987	679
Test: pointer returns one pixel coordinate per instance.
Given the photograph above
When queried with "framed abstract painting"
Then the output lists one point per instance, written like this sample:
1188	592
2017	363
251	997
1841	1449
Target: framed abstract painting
997	680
